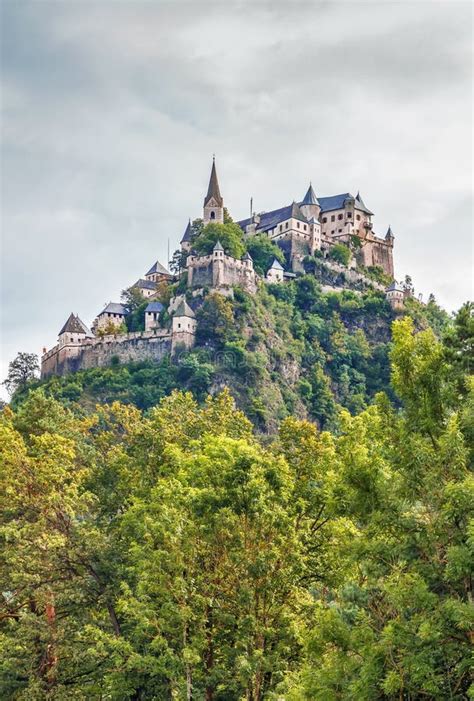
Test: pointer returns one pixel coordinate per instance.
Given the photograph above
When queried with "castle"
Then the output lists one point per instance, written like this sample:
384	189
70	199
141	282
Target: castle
307	228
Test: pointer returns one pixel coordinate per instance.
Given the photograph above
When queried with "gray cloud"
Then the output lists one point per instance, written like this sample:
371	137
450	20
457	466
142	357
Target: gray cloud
112	112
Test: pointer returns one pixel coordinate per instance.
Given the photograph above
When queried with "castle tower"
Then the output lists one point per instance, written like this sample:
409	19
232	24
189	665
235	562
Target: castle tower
74	331
186	240
389	237
213	202
310	205
183	327
218	277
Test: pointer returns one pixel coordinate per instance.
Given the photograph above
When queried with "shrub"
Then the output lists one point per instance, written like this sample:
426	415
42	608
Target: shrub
340	254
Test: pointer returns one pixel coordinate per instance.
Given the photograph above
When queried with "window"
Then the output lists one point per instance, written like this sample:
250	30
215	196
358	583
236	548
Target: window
332	232
304	227
340	231
298	224
339	216
281	227
333	218
325	219
358	217
286	225
213	215
349	215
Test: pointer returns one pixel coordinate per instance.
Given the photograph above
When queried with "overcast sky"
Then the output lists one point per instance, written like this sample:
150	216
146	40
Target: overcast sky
112	111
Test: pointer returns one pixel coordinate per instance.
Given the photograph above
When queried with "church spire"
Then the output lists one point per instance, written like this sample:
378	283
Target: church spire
213	191
213	202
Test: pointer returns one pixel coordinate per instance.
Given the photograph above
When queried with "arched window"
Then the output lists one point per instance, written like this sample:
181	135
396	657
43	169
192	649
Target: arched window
213	215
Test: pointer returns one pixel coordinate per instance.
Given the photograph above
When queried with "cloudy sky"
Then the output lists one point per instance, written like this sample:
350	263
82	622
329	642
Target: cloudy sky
112	111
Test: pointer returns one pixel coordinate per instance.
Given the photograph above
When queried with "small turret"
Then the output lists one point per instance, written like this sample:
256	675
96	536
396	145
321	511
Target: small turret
389	237
310	205
360	204
213	201
275	272
248	260
183	326
186	240
218	248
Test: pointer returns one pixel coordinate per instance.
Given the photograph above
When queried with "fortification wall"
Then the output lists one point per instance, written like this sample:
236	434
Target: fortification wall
94	353
224	271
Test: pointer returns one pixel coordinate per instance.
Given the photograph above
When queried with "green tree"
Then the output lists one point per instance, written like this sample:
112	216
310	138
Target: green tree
21	370
230	235
215	320
263	252
340	253
135	305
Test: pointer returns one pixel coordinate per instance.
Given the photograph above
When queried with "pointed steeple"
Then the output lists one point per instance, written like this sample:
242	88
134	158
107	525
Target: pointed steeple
359	203
75	325
389	235
213	191
187	232
310	197
218	246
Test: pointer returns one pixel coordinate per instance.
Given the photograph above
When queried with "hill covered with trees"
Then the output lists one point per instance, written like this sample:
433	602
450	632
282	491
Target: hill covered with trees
172	553
289	350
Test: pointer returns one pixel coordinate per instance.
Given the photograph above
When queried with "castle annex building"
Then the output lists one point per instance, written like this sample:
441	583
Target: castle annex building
311	226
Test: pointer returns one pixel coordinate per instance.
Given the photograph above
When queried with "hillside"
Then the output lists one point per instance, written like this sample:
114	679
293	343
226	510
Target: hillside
288	350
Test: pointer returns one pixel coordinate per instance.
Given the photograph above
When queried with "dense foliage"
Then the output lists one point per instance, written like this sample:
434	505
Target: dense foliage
290	349
171	555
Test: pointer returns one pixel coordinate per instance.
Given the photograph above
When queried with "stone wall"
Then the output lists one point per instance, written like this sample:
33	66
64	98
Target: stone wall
94	353
219	270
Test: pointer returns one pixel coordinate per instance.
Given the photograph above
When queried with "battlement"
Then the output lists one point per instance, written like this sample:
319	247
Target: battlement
219	270
100	352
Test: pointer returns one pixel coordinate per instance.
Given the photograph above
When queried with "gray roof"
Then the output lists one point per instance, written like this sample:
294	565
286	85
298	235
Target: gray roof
158	268
183	309
334	202
247	256
213	189
359	204
145	284
187	232
389	234
114	308
75	325
395	287
154	307
310	197
276	264
218	246
269	220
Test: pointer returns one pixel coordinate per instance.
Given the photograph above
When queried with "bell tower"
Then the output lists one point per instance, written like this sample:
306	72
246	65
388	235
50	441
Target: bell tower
213	202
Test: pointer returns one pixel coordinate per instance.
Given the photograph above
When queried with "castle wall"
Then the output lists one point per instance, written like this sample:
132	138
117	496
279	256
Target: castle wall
94	353
377	252
220	271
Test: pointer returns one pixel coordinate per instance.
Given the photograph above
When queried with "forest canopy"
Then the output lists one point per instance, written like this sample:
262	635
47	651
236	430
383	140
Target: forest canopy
173	554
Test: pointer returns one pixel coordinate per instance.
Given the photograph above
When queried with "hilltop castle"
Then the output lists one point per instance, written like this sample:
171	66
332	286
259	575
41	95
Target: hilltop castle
310	227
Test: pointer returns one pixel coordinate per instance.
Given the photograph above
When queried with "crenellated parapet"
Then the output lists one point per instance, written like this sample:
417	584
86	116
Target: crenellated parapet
218	271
